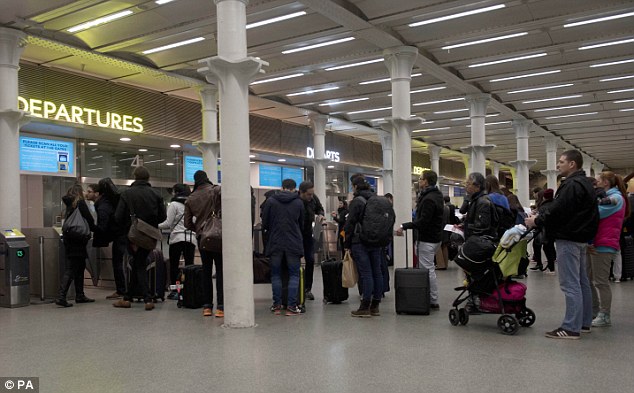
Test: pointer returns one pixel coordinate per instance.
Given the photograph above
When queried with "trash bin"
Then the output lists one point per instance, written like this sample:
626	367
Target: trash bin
14	269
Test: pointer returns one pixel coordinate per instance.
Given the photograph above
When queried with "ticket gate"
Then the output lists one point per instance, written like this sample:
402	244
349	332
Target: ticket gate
14	269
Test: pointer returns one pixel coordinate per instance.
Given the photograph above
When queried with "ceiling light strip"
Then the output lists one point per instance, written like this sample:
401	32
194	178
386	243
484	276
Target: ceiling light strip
468	117
484	41
301	93
607	44
540	88
427	89
616	78
623	101
561	108
99	21
552	99
277	19
279	78
370	110
508	60
626	110
354	64
451	111
596	20
575	115
620	91
322	44
612	63
458	15
344	101
439	101
525	76
432	129
383	80
174	45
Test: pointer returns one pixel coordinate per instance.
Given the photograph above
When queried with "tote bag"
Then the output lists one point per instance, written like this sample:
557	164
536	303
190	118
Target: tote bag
349	274
76	227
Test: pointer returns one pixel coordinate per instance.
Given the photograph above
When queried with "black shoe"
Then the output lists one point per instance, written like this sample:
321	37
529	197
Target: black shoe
538	267
309	295
173	295
84	299
434	307
63	303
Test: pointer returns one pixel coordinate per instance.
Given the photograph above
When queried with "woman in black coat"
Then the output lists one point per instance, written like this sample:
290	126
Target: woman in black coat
76	253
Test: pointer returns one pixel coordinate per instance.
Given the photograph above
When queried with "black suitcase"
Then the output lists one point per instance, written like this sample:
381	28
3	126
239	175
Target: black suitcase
334	292
412	288
627	258
191	278
157	276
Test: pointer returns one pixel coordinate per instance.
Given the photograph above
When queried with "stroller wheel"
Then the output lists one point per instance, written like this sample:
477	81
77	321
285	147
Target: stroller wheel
453	317
463	316
526	317
508	324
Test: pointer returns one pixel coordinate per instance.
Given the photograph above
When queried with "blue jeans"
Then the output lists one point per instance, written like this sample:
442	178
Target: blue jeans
293	264
368	261
574	283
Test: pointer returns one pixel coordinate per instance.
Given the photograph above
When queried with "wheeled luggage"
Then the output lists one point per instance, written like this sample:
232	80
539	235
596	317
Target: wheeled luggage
412	288
627	258
334	292
301	296
191	278
261	269
157	276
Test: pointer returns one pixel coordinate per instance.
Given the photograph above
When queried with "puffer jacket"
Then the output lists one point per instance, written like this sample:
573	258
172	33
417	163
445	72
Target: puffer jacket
610	223
429	212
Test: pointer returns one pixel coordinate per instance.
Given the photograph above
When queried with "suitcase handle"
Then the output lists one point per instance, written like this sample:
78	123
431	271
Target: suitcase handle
406	249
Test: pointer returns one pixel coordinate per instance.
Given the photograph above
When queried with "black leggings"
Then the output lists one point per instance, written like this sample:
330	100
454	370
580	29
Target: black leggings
176	250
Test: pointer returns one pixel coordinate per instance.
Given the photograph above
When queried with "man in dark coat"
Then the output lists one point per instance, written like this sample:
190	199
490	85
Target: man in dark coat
479	209
312	208
283	218
146	204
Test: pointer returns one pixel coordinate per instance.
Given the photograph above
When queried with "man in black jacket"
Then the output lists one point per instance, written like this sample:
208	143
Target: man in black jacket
146	204
312	208
428	223
572	220
479	209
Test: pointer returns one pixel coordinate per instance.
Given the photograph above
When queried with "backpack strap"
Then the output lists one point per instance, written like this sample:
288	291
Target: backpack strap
357	227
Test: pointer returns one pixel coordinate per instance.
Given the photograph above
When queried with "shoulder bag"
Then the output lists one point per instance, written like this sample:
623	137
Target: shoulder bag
76	227
141	233
210	236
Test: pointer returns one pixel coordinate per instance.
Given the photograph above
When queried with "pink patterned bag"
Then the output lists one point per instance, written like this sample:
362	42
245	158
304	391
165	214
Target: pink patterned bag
511	292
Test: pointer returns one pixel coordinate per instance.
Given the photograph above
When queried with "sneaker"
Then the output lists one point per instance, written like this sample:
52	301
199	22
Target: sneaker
122	303
84	299
173	295
585	329
601	320
115	295
309	295
149	306
276	309
219	313
207	312
563	334
293	310
617	280
435	307
537	267
63	303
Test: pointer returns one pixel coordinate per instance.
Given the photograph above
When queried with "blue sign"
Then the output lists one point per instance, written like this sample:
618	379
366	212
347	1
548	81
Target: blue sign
372	181
193	164
296	174
270	176
49	156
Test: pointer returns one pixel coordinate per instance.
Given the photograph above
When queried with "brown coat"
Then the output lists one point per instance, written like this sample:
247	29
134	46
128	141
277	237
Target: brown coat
201	204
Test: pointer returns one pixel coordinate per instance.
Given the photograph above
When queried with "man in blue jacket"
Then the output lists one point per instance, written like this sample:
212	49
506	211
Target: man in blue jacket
283	218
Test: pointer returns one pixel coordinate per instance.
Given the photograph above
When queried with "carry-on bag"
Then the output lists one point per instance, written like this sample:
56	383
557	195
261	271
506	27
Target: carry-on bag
191	279
331	270
627	258
157	276
412	288
301	296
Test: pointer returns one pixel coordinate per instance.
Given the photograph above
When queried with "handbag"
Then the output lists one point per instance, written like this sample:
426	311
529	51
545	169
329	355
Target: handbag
76	227
211	234
141	233
349	274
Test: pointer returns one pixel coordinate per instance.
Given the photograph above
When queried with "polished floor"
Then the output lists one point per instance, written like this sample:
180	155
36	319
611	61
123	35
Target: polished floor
97	348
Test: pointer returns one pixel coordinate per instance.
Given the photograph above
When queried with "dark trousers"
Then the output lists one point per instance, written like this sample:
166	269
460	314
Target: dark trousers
309	257
138	280
119	246
74	271
368	261
186	249
551	254
537	249
209	258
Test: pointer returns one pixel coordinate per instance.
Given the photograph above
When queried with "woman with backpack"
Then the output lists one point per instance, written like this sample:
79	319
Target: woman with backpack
181	241
75	248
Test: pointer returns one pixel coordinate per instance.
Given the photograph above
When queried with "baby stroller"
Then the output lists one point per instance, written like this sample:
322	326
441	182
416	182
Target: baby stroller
488	287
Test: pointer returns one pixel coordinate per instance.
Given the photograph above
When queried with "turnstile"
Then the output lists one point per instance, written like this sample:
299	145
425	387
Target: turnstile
14	269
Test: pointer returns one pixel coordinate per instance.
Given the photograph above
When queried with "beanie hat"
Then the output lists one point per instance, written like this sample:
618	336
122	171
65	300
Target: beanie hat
548	194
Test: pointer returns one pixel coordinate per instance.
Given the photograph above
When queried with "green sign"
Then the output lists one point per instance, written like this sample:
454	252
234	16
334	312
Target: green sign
19	253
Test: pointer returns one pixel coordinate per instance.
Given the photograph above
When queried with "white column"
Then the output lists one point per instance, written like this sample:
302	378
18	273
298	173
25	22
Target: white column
386	144
597	168
587	164
399	62
209	145
522	128
434	155
513	171
466	160
12	44
477	104
318	124
495	170
234	70
551	162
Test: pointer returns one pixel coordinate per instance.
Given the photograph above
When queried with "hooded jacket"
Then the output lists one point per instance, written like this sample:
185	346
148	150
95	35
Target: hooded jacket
175	222
283	219
610	223
428	220
355	215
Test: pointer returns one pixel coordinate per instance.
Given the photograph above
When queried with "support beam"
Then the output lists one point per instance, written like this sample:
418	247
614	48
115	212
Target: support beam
522	164
587	164
434	155
551	171
318	125
477	104
209	145
388	180
597	168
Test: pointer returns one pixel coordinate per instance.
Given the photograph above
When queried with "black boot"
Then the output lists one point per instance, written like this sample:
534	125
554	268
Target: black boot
374	308
363	311
63	290
538	266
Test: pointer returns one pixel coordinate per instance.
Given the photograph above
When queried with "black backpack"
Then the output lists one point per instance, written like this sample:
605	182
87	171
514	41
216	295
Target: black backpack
377	221
505	219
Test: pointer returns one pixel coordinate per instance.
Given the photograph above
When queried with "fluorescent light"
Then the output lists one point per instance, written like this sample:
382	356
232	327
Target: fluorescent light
327	43
492	124
160	2
574	122
626	110
552	99
616	78
540	88
279	78
99	21
467	118
427	89
331	166
578	114
623	101
142	150
175	146
451	111
560	108
607	44
301	93
93	144
508	60
251	162
585	22
612	63
146	162
354	64
281	160
383	80
277	19
439	101
370	110
502	37
125	139
97	157
251	155
620	91
508	78
174	45
458	15
344	101
169	164
432	129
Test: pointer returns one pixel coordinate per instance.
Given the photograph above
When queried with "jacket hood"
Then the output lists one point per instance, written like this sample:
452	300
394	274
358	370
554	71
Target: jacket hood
180	199
285	197
364	193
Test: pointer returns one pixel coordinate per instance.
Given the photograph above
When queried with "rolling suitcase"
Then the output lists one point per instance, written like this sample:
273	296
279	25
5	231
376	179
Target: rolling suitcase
301	296
192	287
412	288
331	270
157	276
627	258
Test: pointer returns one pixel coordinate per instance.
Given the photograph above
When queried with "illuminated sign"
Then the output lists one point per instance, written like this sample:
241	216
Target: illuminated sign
79	115
331	155
47	156
193	164
418	170
19	253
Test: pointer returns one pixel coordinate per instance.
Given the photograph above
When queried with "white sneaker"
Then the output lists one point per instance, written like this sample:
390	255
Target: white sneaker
601	320
617	280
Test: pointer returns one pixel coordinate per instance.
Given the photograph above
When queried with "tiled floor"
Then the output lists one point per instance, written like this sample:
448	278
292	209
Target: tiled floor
97	348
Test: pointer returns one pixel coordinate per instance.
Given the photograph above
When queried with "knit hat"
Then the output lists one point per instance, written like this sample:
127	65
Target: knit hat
548	194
